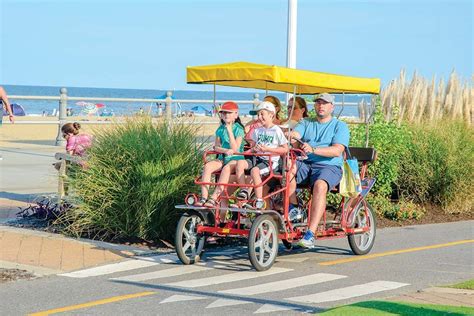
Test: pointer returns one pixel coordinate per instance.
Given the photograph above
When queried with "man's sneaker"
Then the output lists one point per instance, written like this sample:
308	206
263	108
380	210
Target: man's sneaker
308	240
243	195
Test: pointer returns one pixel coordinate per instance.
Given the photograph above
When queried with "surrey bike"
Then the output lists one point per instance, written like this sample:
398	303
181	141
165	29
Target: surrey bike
353	218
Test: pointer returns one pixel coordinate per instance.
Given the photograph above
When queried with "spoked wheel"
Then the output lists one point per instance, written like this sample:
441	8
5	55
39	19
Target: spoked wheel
361	244
188	243
263	242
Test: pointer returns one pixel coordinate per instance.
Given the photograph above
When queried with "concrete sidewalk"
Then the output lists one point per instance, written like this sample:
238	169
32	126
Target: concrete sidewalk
26	173
45	253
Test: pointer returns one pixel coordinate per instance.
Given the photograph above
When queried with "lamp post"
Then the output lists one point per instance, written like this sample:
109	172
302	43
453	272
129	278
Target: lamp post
291	40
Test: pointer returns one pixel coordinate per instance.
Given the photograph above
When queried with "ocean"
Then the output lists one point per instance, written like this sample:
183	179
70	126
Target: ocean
46	107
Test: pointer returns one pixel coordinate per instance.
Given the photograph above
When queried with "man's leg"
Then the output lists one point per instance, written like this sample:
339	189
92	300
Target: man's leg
318	204
323	177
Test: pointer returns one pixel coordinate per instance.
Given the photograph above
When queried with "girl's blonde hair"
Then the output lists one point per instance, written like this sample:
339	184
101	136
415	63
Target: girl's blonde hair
71	128
276	102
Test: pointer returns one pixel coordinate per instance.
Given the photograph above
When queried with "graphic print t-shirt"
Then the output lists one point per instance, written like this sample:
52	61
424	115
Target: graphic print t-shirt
272	137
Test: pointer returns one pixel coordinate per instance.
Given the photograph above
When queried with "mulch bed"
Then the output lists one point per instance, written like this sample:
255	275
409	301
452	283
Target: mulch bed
434	214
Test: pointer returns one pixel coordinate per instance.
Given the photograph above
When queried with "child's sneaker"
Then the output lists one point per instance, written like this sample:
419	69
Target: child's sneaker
308	240
243	195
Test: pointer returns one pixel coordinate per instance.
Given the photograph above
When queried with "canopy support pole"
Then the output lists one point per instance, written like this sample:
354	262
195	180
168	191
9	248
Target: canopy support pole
214	98
342	108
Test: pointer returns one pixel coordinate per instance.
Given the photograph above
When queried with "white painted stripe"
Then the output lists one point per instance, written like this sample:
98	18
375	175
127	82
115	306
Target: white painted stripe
348	292
294	260
269	308
110	268
285	284
160	258
167	260
233	277
181	298
226	302
224	252
180	270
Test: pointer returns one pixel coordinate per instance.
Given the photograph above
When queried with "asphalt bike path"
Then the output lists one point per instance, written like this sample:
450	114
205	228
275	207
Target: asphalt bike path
403	260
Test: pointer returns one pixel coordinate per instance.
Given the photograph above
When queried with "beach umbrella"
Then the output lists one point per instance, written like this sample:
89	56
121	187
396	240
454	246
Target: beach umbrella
88	107
99	105
82	103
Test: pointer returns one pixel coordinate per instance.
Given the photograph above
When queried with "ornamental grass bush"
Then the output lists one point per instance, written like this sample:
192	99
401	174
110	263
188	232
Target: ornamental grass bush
136	172
419	163
438	167
419	100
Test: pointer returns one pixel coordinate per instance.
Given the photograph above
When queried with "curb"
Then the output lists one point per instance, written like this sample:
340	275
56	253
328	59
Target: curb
129	251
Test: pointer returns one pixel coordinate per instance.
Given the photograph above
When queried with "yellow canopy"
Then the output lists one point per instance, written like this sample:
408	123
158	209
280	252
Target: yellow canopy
276	78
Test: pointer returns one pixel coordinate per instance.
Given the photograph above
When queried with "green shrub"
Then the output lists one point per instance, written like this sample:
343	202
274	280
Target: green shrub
438	166
136	173
390	141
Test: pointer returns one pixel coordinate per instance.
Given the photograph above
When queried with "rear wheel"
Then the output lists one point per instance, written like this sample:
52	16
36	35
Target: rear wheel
361	244
189	244
263	242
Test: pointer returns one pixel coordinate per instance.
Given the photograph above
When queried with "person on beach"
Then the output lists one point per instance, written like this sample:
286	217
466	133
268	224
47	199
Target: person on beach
6	105
253	124
324	141
229	140
267	139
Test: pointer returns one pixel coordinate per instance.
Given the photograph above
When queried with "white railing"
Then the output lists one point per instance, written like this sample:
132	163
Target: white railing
63	99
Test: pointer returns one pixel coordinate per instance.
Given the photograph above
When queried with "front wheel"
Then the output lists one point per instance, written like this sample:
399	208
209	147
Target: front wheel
263	242
361	244
188	243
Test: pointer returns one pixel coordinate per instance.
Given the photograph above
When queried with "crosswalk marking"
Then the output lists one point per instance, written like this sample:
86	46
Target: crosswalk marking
180	270
284	284
111	268
269	308
293	260
348	292
226	302
238	276
167	260
218	253
181	298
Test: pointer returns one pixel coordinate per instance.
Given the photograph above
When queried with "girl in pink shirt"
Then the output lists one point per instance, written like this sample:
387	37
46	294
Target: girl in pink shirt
76	143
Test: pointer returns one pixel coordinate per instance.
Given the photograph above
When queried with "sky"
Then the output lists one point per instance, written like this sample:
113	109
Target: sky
145	44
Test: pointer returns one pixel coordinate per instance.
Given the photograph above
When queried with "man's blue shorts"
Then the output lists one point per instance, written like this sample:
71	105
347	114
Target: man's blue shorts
308	173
